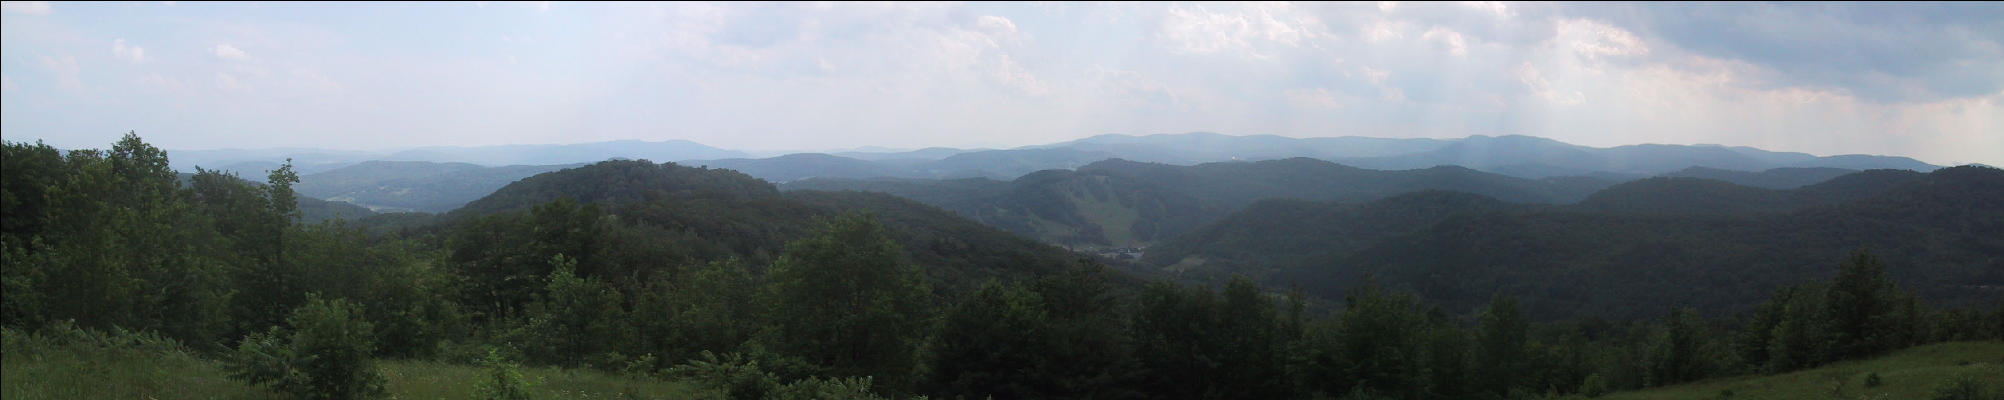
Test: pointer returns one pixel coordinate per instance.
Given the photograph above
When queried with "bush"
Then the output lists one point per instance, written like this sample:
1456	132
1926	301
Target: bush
1962	387
826	389
730	375
1594	386
324	356
1872	380
503	381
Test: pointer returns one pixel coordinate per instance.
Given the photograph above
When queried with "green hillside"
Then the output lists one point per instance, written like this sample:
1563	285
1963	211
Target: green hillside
1626	252
664	216
79	364
1906	374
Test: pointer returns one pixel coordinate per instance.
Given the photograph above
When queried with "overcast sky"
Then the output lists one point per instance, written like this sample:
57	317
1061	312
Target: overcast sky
1919	80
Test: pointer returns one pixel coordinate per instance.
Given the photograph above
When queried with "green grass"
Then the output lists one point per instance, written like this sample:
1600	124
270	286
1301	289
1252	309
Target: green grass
1906	374
432	380
39	368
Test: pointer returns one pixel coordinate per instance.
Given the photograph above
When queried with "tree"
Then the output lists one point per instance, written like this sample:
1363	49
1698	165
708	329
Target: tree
845	300
1859	302
1374	348
1801	338
1175	341
1088	355
712	307
1249	342
1500	346
576	320
1446	358
1675	357
990	343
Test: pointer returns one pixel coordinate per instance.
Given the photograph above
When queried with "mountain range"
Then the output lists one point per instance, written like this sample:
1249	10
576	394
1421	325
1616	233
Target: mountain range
1520	156
1575	230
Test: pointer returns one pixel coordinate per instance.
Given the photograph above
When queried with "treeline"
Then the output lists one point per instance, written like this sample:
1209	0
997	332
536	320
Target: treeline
109	240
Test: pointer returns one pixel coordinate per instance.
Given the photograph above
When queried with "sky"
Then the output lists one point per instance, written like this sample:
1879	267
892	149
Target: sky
1919	80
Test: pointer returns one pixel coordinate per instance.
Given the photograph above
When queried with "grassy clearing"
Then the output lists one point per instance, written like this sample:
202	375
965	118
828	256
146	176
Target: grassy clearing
432	380
86	365
1906	374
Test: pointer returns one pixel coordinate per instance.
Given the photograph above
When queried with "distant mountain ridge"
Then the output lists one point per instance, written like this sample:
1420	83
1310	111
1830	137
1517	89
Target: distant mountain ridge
1121	203
415	179
414	185
1515	155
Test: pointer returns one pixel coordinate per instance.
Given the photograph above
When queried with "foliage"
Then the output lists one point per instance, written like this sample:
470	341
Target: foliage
325	354
846	300
732	375
1960	387
503	382
826	389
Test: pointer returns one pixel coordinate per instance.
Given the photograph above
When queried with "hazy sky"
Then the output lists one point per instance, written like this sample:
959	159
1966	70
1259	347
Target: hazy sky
1921	80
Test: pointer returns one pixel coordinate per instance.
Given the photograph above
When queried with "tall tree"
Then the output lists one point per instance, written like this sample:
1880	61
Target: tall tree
989	345
1675	357
1860	308
846	300
1500	346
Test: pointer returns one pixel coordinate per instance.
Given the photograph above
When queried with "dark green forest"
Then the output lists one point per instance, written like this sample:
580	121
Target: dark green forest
713	277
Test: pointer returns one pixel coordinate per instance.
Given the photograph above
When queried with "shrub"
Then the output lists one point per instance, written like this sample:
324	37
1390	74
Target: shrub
503	381
1961	387
826	389
325	355
731	375
1594	386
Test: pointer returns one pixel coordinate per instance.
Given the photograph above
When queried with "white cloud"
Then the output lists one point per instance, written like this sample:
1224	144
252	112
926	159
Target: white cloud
7	84
26	7
65	69
134	54
1447	39
1317	98
228	52
1257	26
994	25
1594	39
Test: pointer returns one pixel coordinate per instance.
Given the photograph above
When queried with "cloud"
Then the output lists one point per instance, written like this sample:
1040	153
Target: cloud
1446	39
37	8
1917	53
1825	78
134	54
1312	99
65	69
1248	30
7	84
228	52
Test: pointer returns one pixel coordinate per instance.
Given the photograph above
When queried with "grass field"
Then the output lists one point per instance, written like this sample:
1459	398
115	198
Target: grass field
1906	374
113	367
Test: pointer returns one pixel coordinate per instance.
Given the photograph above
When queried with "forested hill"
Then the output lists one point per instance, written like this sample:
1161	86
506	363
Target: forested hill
642	217
1777	178
1940	232
1071	208
1123	203
1237	184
